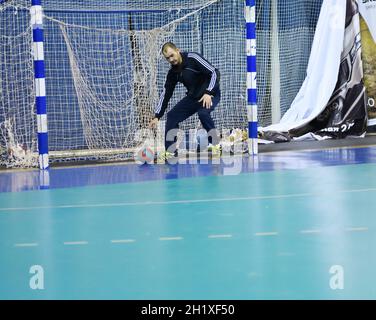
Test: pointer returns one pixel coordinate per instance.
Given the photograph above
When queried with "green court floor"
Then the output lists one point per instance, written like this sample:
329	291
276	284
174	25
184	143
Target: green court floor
281	234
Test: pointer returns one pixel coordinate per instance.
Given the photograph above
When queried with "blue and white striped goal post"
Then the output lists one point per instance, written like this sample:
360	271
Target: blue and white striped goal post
36	21
250	17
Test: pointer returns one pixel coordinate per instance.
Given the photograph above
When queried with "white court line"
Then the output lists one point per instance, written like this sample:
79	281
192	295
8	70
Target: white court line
310	231
286	254
187	201
266	234
148	203
357	229
212	236
75	243
170	238
34	244
123	241
216	236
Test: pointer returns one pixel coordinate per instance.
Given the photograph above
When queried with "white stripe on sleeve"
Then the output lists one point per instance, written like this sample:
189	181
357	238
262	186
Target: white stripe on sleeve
159	106
207	66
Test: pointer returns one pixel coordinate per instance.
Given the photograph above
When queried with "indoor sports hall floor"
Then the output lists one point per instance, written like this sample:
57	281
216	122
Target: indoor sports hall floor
282	225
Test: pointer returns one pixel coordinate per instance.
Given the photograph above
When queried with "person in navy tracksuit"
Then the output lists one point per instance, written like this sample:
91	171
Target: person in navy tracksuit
203	93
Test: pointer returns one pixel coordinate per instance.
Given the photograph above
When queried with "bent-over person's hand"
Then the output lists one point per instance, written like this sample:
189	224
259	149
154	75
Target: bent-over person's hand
206	101
153	123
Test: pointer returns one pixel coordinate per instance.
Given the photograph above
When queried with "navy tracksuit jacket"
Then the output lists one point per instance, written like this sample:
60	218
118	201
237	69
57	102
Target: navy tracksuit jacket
199	77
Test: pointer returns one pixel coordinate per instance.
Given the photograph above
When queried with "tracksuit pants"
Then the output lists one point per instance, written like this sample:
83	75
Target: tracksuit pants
183	110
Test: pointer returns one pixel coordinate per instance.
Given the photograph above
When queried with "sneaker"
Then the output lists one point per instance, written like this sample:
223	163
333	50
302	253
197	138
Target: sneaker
215	150
164	156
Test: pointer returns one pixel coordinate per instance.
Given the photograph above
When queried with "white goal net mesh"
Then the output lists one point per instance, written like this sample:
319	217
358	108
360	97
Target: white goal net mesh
105	71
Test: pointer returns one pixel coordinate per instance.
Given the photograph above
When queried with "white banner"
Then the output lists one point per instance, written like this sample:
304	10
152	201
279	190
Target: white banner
331	102
367	9
322	70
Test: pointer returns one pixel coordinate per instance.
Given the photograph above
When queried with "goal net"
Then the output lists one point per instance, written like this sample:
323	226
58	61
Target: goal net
18	129
105	71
